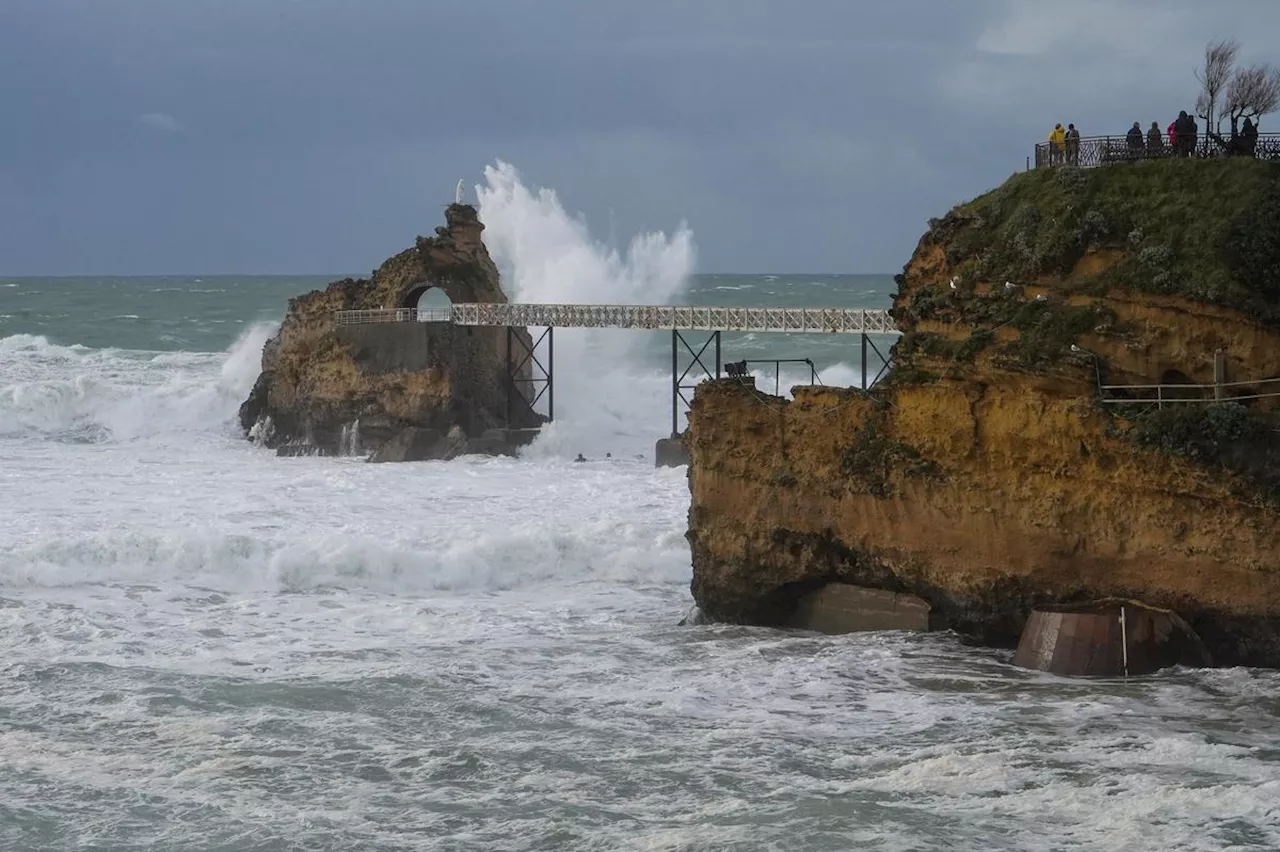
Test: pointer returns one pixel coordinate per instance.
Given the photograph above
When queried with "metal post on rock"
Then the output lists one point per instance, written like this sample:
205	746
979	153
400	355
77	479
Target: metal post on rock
675	382
864	360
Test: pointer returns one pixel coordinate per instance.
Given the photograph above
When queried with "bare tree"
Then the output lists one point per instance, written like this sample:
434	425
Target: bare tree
1215	77
1252	93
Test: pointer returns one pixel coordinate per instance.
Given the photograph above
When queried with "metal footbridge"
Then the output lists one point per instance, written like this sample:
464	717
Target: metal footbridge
643	317
529	369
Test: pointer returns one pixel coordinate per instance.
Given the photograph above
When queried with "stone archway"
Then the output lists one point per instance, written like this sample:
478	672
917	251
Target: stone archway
431	301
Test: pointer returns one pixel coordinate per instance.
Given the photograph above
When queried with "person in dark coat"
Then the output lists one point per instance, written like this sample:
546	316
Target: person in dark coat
1135	140
1155	141
1072	142
1188	130
1249	138
1185	132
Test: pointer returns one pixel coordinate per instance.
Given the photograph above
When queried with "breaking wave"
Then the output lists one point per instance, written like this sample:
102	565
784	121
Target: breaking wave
604	399
489	560
74	393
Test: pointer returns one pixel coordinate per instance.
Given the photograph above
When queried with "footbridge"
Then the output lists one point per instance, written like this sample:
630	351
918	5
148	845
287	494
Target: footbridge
693	356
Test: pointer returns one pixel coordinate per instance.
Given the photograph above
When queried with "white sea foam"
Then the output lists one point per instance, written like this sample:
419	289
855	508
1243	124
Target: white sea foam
76	393
602	403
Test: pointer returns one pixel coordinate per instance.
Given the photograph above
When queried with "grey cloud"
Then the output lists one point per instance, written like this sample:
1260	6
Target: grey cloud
817	135
161	121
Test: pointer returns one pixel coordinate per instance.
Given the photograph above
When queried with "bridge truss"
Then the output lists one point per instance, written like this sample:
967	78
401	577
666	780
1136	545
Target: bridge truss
692	360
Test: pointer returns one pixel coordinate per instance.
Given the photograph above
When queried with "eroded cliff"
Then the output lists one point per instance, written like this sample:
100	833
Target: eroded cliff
323	384
991	473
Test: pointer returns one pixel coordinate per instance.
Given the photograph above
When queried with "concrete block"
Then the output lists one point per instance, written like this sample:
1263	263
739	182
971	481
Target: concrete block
838	608
670	452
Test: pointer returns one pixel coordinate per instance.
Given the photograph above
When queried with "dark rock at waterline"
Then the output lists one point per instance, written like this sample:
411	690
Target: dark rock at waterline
255	407
418	444
695	618
410	444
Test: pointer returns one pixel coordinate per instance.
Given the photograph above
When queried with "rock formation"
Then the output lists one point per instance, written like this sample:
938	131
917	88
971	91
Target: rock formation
987	475
324	387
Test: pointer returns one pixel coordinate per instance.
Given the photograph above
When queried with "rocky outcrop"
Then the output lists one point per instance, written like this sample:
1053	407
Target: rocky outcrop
329	388
989	476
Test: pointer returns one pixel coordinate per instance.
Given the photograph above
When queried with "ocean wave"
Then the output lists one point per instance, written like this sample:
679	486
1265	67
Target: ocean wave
76	393
461	560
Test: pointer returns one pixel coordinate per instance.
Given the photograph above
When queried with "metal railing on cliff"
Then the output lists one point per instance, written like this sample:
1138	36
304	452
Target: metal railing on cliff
1093	151
1174	394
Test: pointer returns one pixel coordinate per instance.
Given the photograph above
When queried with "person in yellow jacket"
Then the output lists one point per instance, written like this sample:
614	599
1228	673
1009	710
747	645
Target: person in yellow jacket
1056	138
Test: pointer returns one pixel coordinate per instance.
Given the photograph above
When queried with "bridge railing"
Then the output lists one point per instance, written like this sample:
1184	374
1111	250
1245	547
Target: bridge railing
1174	394
647	317
684	318
381	315
1092	151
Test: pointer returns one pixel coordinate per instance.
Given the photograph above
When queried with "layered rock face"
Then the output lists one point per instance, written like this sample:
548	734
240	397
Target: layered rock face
987	475
333	389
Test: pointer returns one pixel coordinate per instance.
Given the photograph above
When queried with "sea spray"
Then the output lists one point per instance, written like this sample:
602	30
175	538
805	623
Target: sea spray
73	393
604	400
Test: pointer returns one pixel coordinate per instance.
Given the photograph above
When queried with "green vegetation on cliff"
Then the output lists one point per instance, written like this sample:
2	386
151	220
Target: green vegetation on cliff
1207	230
1225	435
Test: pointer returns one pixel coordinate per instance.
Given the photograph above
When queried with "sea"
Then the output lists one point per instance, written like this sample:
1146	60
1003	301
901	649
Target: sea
206	647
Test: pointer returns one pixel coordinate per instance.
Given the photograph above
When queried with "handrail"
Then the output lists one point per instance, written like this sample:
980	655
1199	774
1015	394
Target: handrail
1199	387
1216	397
1093	151
643	317
380	315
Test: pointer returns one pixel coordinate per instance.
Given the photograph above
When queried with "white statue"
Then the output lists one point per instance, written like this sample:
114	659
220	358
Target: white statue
457	193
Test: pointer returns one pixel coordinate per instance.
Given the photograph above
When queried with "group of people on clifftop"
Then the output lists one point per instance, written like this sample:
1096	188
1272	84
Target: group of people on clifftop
1182	134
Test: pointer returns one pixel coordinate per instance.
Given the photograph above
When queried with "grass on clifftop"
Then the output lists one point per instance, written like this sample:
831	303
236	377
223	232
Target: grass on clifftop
1207	230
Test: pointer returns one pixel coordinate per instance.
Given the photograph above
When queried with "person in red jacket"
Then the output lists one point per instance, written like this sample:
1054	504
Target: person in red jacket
1173	135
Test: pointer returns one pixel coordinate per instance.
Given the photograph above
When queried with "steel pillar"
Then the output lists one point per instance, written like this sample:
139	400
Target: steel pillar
678	387
541	378
886	361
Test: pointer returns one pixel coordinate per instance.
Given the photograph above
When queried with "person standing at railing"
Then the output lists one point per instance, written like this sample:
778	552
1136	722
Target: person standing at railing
1249	138
1186	129
1173	137
1155	141
1134	138
1057	137
1072	141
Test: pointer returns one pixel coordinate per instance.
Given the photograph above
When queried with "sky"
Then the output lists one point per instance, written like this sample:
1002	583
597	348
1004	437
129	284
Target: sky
320	136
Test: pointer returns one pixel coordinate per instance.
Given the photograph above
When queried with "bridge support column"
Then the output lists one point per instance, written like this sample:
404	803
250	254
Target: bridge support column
678	377
524	392
885	362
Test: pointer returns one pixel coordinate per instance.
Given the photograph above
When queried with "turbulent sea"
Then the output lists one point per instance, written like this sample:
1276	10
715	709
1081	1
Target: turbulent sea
205	647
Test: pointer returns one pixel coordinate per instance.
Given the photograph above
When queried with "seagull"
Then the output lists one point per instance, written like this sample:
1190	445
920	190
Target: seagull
1009	285
1041	297
1075	348
953	284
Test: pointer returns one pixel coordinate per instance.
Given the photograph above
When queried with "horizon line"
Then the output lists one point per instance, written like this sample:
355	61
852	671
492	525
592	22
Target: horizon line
342	275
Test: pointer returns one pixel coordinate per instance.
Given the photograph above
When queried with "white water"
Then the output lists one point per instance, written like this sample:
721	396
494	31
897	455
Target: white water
204	647
603	402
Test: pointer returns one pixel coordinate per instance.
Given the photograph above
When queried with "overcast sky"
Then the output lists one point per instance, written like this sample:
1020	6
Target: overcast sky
319	136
